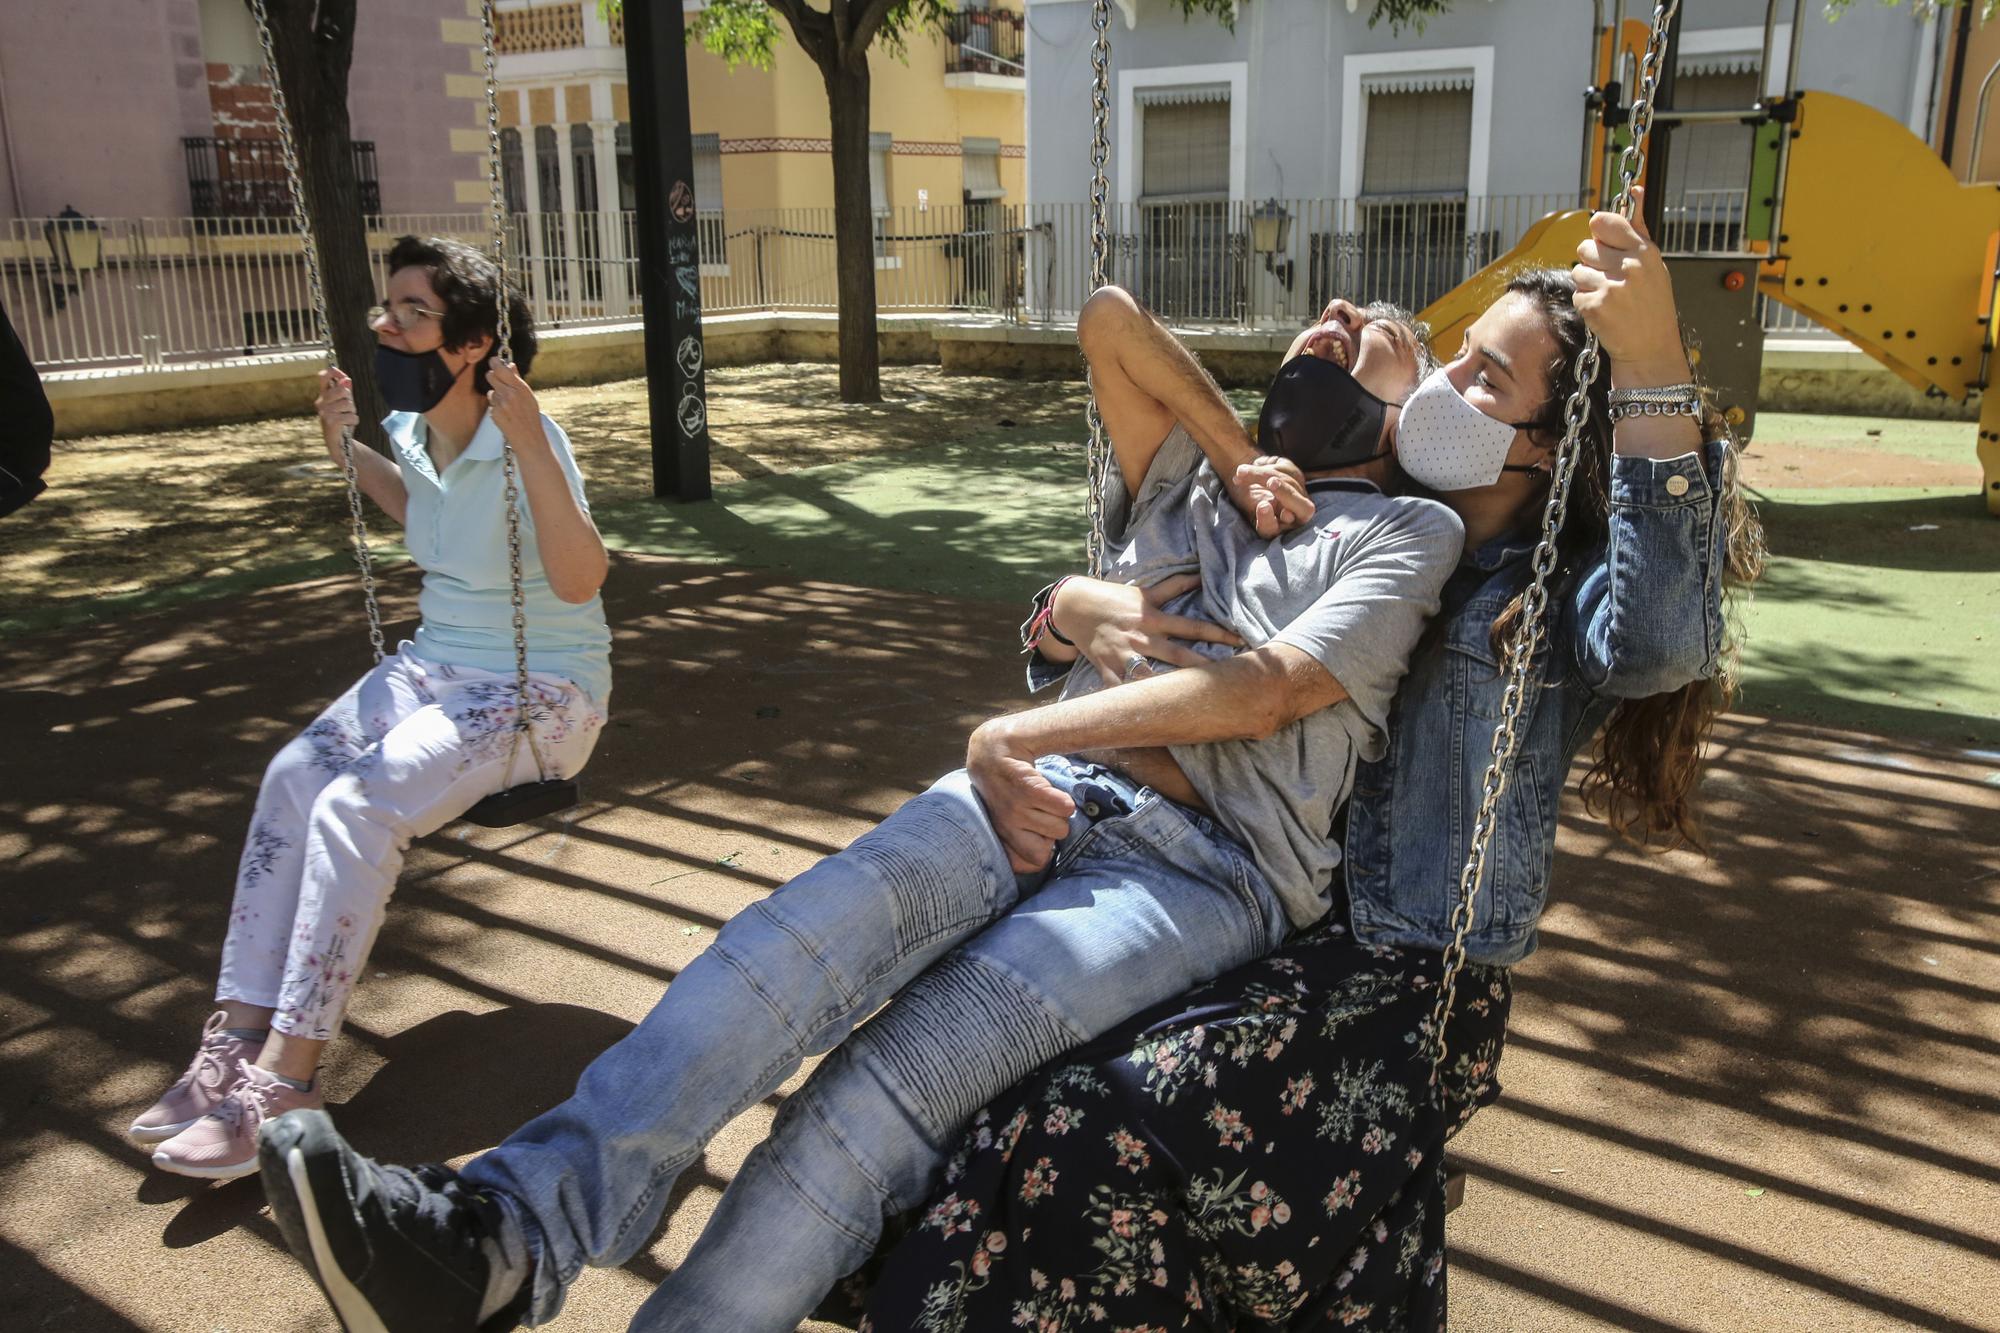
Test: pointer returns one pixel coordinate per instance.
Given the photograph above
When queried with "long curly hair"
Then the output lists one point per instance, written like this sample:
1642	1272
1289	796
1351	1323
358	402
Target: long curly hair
1646	763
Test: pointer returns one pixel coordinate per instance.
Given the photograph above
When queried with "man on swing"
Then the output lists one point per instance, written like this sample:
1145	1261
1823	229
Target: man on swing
1094	857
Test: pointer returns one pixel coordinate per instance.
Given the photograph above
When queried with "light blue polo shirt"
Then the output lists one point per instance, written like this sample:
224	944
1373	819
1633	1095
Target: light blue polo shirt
456	530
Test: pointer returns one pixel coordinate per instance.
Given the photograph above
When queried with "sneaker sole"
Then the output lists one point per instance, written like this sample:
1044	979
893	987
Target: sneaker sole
233	1171
148	1135
295	1207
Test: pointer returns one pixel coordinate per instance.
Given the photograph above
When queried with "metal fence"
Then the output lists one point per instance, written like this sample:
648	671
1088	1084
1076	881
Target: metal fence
166	291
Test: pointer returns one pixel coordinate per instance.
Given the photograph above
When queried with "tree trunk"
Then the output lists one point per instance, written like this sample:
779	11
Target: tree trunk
853	228
314	43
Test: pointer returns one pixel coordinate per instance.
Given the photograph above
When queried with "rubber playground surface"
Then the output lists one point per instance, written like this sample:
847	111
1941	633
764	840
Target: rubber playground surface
1752	1090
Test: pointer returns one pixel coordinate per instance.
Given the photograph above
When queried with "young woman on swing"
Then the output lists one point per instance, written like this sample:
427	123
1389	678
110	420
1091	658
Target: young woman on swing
430	730
1266	1151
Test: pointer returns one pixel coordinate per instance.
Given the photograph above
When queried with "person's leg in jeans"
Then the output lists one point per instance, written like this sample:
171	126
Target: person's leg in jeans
1146	907
788	977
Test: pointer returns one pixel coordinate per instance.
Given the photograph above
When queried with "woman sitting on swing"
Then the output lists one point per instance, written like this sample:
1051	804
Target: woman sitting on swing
431	729
1266	1151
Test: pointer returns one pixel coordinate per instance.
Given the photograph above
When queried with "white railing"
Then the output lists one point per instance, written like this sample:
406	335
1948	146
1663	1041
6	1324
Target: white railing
174	291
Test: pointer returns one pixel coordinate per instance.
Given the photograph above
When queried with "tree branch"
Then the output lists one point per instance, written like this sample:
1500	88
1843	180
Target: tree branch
838	12
865	25
809	28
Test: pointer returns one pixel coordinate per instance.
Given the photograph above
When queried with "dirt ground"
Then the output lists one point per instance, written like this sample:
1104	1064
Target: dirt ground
130	518
1753	1091
128	515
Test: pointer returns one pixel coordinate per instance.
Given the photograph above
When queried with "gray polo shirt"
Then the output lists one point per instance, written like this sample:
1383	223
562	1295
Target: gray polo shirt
1352	588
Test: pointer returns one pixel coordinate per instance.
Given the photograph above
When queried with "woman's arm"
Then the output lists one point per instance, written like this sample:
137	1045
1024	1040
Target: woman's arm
1649	616
379	479
572	552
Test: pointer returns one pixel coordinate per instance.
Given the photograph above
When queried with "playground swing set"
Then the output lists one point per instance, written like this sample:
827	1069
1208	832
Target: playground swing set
1903	267
1845	258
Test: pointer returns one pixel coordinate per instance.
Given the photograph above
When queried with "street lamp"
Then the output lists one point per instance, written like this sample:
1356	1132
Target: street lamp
77	246
1271	236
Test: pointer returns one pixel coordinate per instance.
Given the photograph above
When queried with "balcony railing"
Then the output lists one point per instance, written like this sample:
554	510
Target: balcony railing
557	27
985	41
245	178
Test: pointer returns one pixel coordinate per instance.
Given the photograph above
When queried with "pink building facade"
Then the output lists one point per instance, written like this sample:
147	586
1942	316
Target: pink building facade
98	95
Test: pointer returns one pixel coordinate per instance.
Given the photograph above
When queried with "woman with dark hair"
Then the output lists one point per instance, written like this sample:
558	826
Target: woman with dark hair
1267	1151
428	731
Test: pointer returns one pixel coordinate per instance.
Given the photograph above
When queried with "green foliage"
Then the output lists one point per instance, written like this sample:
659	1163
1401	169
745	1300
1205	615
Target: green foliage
742	32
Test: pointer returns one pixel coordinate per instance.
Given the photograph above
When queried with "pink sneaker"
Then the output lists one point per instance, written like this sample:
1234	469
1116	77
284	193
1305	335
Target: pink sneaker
222	1145
200	1090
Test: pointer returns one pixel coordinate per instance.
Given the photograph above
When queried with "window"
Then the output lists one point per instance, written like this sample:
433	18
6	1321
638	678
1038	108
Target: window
880	146
1191	261
1185	143
548	178
512	182
583	168
708	196
628	187
1415	162
1708	165
583	183
982	169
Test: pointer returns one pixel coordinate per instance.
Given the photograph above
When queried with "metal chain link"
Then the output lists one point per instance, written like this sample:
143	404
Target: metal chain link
504	349
1531	631
315	283
1097	454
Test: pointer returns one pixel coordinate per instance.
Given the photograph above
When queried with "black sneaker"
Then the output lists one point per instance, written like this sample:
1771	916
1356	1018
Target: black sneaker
394	1250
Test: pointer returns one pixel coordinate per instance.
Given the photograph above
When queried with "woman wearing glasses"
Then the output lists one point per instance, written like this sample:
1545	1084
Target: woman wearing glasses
424	735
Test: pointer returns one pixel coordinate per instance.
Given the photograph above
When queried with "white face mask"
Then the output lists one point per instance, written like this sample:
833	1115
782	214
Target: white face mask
1446	443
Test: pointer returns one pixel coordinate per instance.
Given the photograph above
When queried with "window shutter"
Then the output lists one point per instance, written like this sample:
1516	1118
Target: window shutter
707	172
879	147
1712	157
1185	152
1419	140
982	168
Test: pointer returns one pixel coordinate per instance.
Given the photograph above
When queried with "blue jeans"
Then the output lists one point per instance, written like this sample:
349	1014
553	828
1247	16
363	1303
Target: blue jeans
1143	899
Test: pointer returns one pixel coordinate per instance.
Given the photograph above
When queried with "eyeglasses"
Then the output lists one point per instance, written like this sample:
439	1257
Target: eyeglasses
404	314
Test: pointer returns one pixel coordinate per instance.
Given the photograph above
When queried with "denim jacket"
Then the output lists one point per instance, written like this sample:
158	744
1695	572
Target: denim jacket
1643	618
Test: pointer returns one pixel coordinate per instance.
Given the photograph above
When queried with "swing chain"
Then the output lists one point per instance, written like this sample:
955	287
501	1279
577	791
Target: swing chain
504	349
1097	454
1529	635
294	178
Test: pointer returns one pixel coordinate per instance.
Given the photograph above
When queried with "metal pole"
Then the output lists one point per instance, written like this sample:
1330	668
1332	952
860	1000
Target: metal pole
1657	158
1979	125
1959	44
669	248
1764	58
1589	127
1792	91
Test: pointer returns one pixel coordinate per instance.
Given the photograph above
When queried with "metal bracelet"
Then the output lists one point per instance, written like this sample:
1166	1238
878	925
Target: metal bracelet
1665	393
1677	407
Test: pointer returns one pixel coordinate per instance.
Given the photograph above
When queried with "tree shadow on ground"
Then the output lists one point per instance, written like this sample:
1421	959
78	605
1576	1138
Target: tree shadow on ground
1822	984
1944	533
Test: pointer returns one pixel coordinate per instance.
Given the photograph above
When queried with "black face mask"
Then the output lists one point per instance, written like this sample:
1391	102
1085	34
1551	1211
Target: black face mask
1318	416
412	381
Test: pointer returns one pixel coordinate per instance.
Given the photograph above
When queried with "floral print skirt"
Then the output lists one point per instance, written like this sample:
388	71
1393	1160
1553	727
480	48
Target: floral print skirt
1262	1153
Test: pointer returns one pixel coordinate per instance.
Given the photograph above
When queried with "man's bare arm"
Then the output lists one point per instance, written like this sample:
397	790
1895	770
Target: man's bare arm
1247	697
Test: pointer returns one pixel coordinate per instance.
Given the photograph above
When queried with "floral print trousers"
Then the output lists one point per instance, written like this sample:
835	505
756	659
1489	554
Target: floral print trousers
410	747
1263	1153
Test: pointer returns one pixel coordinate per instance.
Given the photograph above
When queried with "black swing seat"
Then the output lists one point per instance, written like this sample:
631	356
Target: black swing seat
1454	1185
529	801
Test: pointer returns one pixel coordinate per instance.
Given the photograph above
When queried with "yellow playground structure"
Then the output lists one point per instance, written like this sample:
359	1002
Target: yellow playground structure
1903	267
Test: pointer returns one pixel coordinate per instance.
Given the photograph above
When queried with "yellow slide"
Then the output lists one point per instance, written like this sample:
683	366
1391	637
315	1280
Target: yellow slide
1550	243
1881	244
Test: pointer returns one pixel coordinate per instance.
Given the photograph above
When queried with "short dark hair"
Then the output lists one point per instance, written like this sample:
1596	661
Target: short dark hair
1420	332
468	282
